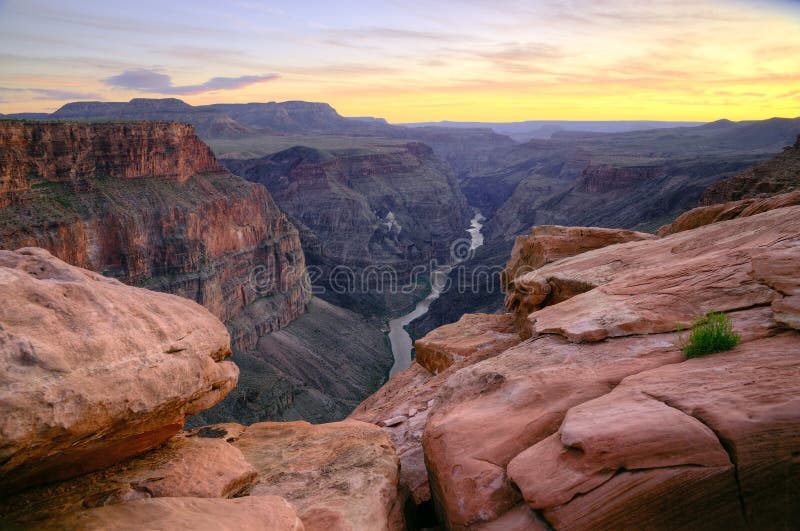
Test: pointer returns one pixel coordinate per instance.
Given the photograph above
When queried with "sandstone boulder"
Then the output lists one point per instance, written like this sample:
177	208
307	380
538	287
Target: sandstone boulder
524	394
412	393
197	466
706	215
253	513
724	426
472	335
652	286
341	475
95	371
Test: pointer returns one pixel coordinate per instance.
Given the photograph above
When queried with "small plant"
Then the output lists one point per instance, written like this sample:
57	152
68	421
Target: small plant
712	333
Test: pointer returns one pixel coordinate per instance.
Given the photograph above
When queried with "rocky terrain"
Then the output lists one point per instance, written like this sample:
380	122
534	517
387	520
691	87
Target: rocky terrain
598	418
777	175
97	381
637	180
371	213
148	204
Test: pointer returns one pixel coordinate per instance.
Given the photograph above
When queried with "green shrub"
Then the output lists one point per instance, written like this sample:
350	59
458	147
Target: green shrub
712	333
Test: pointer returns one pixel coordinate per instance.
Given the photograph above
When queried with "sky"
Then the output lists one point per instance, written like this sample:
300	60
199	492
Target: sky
408	61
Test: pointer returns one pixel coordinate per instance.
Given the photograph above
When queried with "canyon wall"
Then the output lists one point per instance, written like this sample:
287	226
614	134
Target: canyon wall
368	212
147	203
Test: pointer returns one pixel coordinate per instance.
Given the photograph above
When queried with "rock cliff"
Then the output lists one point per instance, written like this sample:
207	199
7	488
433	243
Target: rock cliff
147	203
376	214
598	419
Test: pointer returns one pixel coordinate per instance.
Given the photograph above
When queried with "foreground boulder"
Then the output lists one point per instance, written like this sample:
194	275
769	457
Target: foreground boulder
401	407
257	513
197	465
341	475
599	421
653	286
95	371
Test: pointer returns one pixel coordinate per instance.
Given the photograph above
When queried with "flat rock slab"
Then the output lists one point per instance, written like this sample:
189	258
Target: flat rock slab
193	466
725	426
651	286
472	335
94	371
341	475
253	513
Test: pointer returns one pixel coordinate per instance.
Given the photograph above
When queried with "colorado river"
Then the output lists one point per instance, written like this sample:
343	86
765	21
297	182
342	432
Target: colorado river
401	342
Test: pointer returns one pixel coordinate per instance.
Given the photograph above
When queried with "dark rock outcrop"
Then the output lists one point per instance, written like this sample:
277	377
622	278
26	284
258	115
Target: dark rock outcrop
776	176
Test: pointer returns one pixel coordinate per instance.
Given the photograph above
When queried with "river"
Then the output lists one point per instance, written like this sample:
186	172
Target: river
401	342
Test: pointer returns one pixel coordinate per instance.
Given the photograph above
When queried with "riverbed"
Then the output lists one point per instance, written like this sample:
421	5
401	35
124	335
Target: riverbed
401	342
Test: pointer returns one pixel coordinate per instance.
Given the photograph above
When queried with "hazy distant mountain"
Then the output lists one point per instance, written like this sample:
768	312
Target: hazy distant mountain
27	115
207	122
530	129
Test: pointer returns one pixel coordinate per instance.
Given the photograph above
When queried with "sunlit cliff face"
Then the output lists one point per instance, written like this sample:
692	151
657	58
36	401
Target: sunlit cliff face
435	59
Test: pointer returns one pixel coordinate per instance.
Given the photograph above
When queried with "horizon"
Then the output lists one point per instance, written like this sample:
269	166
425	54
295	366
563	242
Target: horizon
674	60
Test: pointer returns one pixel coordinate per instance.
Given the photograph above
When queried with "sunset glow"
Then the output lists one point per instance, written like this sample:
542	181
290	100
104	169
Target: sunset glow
434	60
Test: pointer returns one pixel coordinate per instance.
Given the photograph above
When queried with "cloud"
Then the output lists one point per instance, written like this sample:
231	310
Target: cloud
144	80
52	94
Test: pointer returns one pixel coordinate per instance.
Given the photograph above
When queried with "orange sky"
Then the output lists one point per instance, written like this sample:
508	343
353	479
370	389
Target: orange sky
437	59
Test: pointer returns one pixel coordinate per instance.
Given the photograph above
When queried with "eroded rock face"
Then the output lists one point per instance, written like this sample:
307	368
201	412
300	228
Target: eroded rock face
402	406
470	336
95	371
550	243
778	175
706	215
650	286
341	475
253	513
147	203
195	466
36	153
365	220
601	422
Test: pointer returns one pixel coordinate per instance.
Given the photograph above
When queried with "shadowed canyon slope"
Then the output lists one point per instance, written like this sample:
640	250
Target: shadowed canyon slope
598	419
373	212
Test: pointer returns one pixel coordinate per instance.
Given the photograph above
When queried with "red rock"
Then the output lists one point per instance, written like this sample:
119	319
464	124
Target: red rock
147	203
634	456
787	311
651	286
706	215
193	466
95	371
472	335
253	513
341	475
68	151
412	392
549	243
524	394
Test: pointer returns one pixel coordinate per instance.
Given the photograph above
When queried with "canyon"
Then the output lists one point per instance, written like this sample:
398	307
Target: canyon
148	203
174	350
